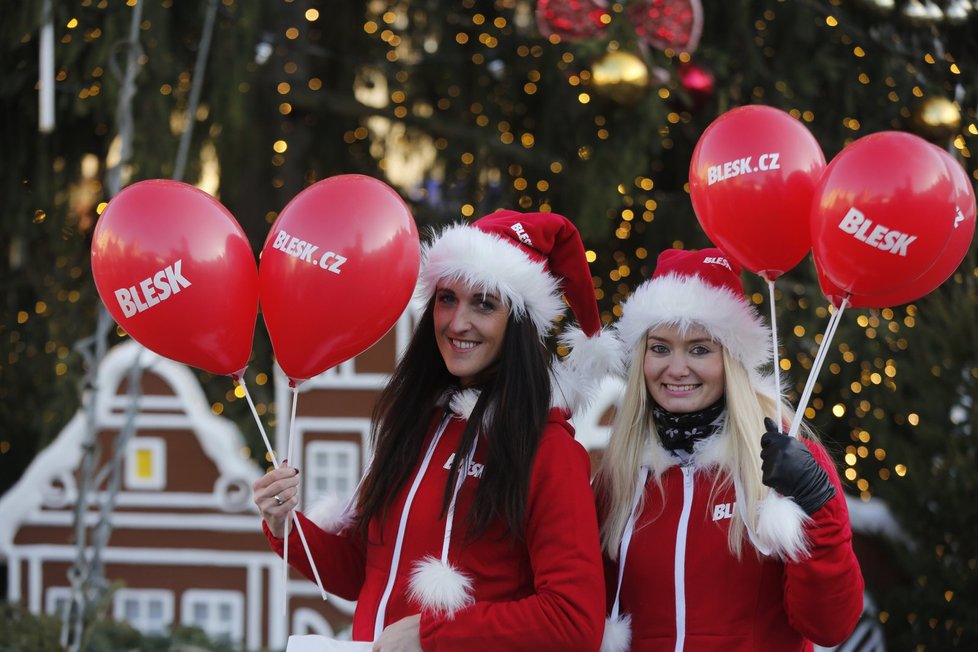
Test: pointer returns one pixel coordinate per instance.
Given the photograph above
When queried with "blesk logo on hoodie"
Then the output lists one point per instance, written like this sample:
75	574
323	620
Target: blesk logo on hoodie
722	511
475	469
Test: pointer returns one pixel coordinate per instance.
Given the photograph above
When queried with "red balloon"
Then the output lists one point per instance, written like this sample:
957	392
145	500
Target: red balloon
337	270
830	291
177	273
751	181
882	214
948	261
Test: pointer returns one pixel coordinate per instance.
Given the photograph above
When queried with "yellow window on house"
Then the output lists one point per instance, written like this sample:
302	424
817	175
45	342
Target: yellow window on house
144	463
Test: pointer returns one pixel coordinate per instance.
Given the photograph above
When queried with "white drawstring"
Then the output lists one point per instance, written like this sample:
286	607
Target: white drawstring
626	537
463	471
402	526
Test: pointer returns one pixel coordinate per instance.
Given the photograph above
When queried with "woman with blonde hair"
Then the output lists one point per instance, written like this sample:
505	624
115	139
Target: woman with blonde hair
717	535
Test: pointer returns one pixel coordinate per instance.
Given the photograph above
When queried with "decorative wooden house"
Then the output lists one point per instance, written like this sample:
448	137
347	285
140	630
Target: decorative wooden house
186	545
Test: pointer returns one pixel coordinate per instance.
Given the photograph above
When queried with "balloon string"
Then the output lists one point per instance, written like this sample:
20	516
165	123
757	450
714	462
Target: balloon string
817	365
268	447
302	535
288	517
292	519
774	348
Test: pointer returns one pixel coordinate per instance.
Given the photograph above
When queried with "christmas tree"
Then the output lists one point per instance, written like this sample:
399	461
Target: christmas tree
588	109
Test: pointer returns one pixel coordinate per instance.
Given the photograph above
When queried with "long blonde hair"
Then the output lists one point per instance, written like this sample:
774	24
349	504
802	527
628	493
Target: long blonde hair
634	441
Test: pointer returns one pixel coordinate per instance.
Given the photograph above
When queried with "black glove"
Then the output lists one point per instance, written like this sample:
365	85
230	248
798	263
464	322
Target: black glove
789	468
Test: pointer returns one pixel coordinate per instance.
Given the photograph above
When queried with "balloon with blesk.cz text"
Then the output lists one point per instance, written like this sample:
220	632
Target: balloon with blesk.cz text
883	214
962	232
751	180
177	273
337	270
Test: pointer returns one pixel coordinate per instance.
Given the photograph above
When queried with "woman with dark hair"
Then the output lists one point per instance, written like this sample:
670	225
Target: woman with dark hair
474	528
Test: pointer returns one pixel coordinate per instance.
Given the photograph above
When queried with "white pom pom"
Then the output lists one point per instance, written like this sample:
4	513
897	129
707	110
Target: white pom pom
329	513
463	402
781	527
439	588
617	634
577	377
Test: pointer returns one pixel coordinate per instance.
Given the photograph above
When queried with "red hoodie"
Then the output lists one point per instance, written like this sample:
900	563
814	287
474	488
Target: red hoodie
543	592
681	581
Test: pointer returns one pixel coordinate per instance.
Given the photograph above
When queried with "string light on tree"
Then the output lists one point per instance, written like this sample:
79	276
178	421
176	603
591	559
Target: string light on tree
922	12
957	12
882	7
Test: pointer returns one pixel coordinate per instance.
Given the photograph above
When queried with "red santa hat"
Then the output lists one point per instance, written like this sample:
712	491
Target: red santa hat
534	262
698	287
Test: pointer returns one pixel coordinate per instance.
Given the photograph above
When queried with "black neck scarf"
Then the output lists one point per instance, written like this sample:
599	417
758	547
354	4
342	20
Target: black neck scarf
681	431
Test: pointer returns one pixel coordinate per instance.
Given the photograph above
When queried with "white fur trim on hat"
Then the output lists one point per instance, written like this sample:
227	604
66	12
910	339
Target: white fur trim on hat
781	528
686	300
577	377
487	261
439	588
330	514
617	634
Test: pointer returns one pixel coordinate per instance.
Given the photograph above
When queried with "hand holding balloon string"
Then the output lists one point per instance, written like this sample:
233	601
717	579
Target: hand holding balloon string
788	467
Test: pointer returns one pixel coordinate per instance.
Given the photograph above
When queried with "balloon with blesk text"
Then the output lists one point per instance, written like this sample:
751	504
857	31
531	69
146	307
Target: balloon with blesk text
177	273
883	214
337	270
751	181
957	246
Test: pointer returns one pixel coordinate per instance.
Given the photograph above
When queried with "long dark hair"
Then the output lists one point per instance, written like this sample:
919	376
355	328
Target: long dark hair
512	408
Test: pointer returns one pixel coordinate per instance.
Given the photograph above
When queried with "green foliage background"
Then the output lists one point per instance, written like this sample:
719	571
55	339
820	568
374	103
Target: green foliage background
496	107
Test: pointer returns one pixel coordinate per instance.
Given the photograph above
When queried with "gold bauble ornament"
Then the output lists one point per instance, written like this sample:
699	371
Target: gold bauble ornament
620	76
936	118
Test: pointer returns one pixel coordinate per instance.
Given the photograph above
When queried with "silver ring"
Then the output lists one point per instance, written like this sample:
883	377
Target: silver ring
278	501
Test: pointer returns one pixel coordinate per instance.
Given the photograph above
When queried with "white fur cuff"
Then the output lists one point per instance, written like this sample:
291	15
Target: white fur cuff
617	634
439	587
781	528
329	513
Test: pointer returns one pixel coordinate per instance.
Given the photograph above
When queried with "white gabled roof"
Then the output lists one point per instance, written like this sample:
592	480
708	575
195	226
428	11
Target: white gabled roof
188	409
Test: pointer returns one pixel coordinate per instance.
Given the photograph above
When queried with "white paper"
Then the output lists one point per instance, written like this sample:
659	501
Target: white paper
317	643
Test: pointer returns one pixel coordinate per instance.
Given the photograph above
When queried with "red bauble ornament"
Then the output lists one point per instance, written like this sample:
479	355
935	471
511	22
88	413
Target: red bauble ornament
572	20
668	24
697	82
